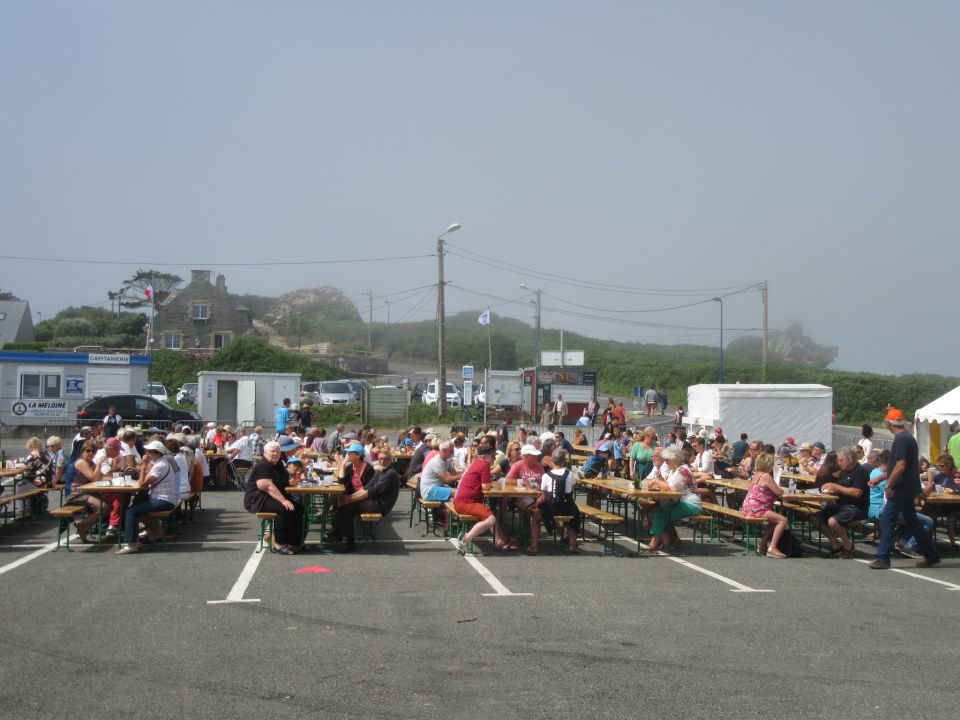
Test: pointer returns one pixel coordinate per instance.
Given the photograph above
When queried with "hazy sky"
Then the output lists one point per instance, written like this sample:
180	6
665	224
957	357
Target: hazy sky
655	146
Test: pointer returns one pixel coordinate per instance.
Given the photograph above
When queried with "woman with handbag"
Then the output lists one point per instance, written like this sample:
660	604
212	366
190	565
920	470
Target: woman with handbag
160	481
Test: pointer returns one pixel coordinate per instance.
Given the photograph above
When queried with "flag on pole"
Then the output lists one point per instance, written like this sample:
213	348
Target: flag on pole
148	291
484	318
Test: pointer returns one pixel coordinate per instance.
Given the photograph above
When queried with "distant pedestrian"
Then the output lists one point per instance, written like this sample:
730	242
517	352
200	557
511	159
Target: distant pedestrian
651	398
663	400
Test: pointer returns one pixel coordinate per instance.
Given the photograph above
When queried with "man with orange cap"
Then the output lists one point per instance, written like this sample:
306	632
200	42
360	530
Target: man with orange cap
903	485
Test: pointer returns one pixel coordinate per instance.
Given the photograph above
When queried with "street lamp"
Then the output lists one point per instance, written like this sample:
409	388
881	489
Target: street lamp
720	300
536	357
386	336
441	326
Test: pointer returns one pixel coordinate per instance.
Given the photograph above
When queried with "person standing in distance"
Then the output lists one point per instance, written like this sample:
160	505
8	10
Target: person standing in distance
903	485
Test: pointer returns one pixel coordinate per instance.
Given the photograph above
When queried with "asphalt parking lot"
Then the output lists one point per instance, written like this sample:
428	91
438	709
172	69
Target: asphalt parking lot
407	628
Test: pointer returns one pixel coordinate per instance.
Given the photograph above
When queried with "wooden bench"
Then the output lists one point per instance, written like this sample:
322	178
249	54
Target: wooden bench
561	525
165	518
459	522
64	516
606	523
747	523
368	525
700	524
33	492
266	530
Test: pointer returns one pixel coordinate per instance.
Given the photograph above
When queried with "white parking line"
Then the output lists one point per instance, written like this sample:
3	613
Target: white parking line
492	581
27	558
737	587
240	586
949	586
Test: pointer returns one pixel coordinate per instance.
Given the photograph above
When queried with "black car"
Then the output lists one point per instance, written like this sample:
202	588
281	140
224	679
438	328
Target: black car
134	409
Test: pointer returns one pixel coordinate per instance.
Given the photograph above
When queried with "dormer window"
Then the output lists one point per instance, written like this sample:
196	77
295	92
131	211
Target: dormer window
201	311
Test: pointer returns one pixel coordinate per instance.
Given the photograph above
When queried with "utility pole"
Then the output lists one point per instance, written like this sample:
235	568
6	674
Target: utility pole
764	288
537	359
442	327
386	335
370	324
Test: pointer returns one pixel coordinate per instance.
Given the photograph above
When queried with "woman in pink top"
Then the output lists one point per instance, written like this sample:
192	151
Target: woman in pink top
469	501
761	496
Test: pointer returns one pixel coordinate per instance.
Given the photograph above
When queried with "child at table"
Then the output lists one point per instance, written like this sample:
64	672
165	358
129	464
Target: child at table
758	503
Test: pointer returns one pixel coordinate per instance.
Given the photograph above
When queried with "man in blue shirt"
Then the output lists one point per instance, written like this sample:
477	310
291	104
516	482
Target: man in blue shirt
903	485
283	416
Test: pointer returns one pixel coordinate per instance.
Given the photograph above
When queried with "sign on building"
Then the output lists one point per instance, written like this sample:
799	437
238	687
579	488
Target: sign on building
39	408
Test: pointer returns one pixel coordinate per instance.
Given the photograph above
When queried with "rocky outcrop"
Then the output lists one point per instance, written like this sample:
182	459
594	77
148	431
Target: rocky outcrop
787	343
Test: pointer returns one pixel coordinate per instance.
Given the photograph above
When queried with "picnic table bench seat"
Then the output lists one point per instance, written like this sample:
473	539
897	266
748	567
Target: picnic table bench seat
746	522
606	523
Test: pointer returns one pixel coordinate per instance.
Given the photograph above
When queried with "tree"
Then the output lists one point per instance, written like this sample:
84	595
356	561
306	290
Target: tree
133	290
4	295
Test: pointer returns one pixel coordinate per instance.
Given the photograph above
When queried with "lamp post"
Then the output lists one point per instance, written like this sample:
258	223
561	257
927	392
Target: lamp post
536	357
441	326
720	300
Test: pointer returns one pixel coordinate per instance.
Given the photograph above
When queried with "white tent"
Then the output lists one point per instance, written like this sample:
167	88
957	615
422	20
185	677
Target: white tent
932	423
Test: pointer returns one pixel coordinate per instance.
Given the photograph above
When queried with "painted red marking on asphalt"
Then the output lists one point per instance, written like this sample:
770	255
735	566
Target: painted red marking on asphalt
312	569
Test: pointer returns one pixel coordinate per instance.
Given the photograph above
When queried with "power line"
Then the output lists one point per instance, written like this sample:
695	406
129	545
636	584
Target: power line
552	277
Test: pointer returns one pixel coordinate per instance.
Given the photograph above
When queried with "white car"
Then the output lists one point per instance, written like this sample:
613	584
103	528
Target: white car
480	396
188	393
453	395
336	392
158	392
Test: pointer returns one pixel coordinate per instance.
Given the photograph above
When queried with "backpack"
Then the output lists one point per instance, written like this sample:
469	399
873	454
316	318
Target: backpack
790	545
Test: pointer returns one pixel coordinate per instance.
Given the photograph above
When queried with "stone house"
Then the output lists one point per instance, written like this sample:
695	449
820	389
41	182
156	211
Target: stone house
16	322
200	316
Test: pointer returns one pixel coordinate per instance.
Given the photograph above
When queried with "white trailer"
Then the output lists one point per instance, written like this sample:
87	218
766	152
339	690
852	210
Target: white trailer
245	397
768	412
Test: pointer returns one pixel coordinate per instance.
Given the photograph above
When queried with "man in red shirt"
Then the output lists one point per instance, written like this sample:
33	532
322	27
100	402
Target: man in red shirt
620	416
469	501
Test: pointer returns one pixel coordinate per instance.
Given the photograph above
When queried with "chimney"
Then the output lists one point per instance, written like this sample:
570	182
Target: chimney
221	283
199	276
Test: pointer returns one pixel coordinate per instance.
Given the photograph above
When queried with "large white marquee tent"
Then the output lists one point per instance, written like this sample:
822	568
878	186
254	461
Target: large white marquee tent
933	421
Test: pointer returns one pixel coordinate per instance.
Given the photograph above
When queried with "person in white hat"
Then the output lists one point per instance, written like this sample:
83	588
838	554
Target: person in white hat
161	482
527	473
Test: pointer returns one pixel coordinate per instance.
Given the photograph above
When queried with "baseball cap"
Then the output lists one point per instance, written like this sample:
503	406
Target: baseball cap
356	448
791	441
895	416
289	445
154	445
819	445
529	450
113	442
605	447
294	460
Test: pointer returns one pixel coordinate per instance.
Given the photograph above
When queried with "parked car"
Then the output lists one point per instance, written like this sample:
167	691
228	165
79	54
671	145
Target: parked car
335	392
358	387
133	409
158	392
189	393
310	392
453	395
418	390
480	396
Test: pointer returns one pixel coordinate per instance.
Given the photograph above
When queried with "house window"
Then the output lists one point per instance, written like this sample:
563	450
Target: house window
171	341
220	339
39	385
3	316
201	311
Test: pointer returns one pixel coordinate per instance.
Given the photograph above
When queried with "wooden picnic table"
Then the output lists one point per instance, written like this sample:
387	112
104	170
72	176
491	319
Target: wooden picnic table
311	493
12	472
625	487
129	487
942	499
728	483
797	477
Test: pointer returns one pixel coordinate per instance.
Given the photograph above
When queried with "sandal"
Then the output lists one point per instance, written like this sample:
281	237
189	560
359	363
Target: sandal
81	533
774	553
286	550
846	554
506	546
